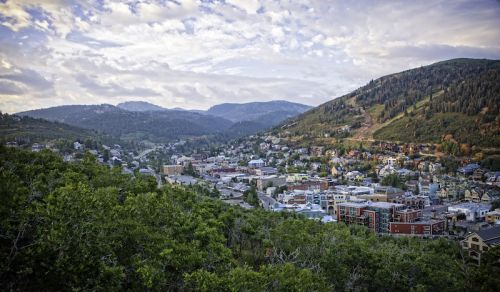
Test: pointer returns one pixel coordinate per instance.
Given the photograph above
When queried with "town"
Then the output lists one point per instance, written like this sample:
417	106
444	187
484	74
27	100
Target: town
396	190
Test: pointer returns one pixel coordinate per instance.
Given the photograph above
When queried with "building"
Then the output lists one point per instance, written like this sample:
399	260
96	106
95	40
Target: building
266	171
430	227
473	211
256	163
270	181
146	171
37	147
181	179
468	169
311	211
375	216
77	145
173	169
319	184
481	241
493	217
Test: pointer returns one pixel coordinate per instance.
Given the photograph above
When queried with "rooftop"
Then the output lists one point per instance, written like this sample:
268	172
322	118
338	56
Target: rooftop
490	235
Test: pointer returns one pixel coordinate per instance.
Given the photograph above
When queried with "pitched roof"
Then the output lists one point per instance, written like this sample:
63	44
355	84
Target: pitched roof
491	235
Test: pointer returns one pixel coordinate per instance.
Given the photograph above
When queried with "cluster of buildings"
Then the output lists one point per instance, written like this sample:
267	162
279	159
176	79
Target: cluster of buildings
424	197
328	184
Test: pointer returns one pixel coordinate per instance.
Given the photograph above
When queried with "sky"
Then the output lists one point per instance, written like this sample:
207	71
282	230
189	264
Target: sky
197	53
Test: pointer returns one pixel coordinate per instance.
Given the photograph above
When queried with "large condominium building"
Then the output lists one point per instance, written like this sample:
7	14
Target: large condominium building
384	217
374	215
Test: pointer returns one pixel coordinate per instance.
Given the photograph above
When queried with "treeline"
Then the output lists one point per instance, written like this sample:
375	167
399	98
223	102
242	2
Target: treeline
469	87
478	93
27	129
153	125
83	226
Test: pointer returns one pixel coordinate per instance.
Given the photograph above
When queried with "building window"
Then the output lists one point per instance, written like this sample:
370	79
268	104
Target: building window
475	239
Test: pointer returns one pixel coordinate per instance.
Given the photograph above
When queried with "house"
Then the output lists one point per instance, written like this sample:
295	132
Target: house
256	163
37	147
12	144
77	146
181	179
473	195
146	171
481	241
173	169
493	178
493	217
468	169
478	174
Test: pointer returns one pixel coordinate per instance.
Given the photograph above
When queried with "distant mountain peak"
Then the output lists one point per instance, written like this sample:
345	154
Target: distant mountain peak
139	106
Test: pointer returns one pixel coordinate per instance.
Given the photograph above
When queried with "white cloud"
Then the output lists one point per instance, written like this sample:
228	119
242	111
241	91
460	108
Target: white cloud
198	53
249	6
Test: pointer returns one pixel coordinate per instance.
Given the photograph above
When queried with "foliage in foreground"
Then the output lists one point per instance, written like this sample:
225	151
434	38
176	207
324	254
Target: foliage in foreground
85	227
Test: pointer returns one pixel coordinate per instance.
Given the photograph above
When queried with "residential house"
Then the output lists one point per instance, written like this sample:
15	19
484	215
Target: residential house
481	241
493	217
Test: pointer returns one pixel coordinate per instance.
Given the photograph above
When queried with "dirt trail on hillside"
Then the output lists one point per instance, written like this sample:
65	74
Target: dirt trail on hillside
362	133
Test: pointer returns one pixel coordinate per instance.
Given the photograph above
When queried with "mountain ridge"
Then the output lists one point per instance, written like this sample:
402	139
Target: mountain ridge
415	105
143	120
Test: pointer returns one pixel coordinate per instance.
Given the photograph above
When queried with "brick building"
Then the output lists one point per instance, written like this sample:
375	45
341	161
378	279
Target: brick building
321	185
374	215
430	227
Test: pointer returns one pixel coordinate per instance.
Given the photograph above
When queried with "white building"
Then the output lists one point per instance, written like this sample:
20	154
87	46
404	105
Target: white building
472	211
256	163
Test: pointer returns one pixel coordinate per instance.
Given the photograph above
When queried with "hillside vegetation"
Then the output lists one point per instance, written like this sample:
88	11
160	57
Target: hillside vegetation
15	128
263	112
134	125
458	97
82	226
145	121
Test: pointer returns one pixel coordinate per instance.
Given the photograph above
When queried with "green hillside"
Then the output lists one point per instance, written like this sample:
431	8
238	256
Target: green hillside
460	97
13	128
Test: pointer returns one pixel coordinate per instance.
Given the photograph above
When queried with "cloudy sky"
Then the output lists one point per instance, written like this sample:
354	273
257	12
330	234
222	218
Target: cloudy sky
197	53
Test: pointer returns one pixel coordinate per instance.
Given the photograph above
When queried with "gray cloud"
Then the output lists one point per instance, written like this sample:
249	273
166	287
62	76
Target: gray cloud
30	78
10	88
112	89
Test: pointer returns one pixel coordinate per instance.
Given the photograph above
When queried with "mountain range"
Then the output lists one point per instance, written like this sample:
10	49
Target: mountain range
271	112
142	120
456	100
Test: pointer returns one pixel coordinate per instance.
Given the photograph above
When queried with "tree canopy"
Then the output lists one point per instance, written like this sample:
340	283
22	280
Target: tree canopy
83	226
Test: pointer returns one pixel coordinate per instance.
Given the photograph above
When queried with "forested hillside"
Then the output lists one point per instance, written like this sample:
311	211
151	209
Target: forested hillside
459	97
15	128
144	121
128	125
269	113
83	226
